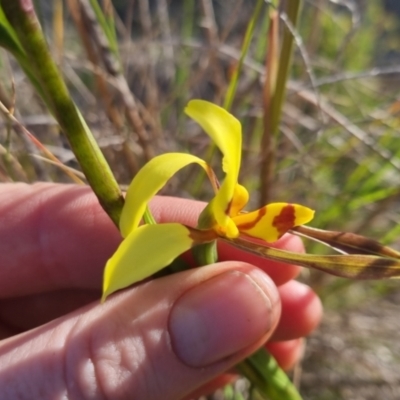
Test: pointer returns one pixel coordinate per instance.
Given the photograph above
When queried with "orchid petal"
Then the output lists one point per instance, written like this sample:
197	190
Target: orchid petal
148	181
229	230
145	251
239	200
225	130
270	222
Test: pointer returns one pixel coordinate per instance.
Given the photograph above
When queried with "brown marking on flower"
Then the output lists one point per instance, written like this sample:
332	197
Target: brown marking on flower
285	220
228	208
202	235
349	242
248	225
213	178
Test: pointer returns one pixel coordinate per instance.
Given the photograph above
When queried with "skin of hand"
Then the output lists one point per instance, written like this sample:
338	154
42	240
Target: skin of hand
169	338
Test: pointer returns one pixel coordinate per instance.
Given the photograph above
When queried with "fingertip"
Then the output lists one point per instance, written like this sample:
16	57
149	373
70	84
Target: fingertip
196	324
301	311
290	242
287	353
240	307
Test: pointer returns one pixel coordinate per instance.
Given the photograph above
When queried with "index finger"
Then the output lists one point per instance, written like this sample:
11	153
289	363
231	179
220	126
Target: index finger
55	236
52	237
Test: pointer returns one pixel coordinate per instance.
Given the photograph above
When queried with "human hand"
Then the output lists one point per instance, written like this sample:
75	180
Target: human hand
163	339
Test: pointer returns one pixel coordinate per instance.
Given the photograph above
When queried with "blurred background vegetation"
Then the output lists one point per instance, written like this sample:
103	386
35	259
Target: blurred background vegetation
336	149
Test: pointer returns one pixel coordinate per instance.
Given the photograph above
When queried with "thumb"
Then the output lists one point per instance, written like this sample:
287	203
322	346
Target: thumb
159	340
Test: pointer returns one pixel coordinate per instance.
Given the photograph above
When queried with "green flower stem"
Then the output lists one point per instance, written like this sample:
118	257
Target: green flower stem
22	18
205	254
273	381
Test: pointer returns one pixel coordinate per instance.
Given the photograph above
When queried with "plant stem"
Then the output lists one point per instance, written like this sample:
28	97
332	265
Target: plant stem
267	377
22	18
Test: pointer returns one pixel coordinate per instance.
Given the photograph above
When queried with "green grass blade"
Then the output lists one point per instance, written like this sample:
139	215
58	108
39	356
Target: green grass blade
107	23
231	91
270	380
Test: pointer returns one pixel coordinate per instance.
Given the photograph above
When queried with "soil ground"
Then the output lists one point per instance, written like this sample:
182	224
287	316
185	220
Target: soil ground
355	354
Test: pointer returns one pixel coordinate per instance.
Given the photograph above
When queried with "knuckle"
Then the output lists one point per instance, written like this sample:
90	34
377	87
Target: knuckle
107	363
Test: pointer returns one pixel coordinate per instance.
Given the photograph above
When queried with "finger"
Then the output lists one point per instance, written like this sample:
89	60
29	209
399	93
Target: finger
52	237
212	386
301	311
26	312
298	302
57	237
161	339
288	353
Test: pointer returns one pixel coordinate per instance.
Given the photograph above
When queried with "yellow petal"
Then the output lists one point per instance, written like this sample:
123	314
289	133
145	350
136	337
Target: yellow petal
145	251
222	127
148	181
208	220
270	222
225	130
240	199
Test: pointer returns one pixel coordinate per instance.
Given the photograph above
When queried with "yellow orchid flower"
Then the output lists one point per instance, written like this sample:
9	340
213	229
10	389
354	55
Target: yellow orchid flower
148	248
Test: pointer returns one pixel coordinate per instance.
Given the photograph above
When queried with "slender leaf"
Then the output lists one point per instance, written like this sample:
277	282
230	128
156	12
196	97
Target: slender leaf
347	242
107	23
355	266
